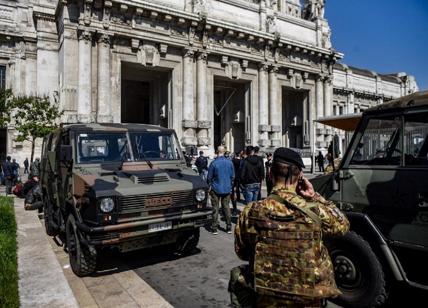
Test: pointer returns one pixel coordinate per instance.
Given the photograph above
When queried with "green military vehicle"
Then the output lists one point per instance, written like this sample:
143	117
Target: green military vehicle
119	185
382	184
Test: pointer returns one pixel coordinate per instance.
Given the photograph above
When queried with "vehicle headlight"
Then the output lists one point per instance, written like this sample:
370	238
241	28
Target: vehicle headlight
200	195
107	205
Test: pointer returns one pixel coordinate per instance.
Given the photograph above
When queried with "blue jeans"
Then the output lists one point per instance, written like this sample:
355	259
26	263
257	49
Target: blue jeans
204	175
251	191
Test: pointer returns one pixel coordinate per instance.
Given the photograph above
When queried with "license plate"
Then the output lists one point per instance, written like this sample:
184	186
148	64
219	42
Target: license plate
160	226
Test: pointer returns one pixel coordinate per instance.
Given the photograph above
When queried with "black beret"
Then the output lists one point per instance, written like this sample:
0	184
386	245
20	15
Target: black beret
288	156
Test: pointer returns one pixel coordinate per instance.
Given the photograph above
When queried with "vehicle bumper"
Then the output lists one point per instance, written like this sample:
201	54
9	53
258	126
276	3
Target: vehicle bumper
115	234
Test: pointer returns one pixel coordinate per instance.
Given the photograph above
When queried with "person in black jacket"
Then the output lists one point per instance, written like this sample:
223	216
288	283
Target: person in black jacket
252	174
201	164
269	178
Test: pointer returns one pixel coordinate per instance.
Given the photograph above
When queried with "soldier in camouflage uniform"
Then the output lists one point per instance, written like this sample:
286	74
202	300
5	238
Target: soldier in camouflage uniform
281	237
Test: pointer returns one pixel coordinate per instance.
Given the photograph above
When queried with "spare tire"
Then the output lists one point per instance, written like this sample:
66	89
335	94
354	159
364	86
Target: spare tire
359	275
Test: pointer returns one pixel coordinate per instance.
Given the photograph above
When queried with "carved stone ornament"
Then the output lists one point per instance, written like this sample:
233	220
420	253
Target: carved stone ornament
275	143
204	141
204	124
190	124
264	128
104	39
296	80
85	35
263	142
148	55
200	7
188	140
275	128
271	26
233	70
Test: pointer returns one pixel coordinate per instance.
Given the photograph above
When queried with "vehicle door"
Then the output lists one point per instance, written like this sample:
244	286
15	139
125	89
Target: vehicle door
44	172
409	235
63	177
51	167
368	179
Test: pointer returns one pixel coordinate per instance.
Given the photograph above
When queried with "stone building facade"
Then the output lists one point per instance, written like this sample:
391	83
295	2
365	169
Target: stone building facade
356	89
233	72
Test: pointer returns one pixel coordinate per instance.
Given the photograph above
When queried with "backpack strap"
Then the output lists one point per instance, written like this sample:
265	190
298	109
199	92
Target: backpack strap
306	211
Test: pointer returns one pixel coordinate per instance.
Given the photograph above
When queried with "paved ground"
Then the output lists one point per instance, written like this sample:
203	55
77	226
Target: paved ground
41	282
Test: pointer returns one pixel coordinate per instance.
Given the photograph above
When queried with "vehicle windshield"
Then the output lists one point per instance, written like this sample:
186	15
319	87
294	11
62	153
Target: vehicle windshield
102	147
149	145
114	147
379	143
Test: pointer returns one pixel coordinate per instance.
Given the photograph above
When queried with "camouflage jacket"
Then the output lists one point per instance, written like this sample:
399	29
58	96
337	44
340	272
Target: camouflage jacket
333	222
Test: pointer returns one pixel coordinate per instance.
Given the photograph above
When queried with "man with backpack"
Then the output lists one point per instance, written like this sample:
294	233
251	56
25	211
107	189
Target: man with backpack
281	237
201	164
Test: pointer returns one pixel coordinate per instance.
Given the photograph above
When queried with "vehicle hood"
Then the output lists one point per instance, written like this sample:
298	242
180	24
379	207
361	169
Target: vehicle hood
134	182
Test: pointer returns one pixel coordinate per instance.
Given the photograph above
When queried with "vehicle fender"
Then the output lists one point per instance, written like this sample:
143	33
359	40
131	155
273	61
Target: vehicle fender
364	226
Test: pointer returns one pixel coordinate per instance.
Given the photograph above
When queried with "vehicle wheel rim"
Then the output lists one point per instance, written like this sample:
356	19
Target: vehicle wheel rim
348	275
72	250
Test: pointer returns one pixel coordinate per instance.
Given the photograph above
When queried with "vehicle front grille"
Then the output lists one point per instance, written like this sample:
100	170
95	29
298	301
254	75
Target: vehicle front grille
152	179
140	203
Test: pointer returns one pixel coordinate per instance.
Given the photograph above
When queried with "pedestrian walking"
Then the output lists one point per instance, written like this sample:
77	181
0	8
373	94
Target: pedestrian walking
220	180
251	175
8	175
15	171
26	165
268	167
201	164
35	169
320	161
270	232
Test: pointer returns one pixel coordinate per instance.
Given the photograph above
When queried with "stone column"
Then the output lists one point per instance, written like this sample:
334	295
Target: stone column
328	92
274	110
328	104
319	97
350	103
104	110
84	83
189	123
263	105
201	95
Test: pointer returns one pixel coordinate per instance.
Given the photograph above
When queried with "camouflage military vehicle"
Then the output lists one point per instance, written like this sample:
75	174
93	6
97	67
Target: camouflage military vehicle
119	185
382	184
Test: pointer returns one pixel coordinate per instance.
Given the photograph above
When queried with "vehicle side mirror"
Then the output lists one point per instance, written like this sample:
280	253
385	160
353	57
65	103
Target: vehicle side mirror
65	153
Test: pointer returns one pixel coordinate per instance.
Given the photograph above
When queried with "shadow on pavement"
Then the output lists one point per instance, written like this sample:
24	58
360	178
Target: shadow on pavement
112	261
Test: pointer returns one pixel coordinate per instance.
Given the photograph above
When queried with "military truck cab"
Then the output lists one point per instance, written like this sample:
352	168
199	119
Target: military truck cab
119	185
382	184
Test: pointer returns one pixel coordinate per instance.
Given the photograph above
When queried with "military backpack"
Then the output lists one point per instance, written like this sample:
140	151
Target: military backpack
287	249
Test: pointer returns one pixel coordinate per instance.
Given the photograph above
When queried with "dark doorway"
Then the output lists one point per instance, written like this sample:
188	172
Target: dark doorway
231	113
294	117
145	95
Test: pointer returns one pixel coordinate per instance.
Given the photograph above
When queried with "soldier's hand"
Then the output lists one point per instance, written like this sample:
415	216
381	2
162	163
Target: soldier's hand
305	188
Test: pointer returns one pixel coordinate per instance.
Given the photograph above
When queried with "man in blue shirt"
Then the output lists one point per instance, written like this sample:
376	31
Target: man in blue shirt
220	179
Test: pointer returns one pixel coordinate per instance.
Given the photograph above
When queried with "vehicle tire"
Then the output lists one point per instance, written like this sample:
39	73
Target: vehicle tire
359	275
83	259
187	243
50	226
